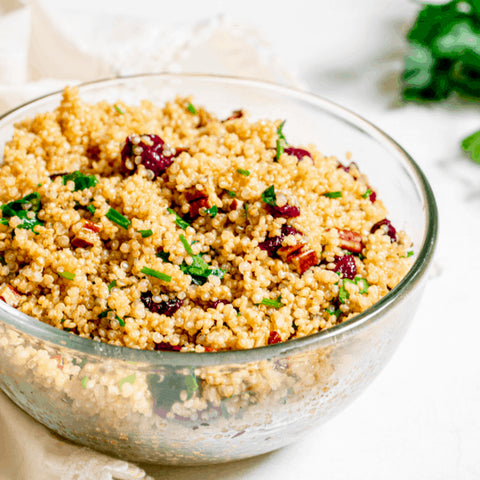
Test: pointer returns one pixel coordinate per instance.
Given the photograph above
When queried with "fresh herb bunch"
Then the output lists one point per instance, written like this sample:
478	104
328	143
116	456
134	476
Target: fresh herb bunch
444	52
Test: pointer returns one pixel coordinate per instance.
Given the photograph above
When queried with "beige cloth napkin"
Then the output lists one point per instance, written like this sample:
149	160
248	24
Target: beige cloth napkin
42	51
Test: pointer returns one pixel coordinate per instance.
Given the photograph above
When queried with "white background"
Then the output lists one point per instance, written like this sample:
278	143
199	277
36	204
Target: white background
421	417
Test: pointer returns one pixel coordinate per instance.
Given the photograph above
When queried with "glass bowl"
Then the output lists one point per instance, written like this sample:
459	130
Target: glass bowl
178	408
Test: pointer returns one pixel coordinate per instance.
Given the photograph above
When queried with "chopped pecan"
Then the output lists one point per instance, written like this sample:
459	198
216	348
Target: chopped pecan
10	295
351	241
304	259
197	199
86	235
301	257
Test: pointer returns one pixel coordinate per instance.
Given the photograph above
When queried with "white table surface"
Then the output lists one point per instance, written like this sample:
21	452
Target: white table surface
421	417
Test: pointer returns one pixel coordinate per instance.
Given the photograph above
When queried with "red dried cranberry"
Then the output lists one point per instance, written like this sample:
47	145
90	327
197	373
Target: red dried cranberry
287	211
297	152
168	307
167	347
274	338
235	114
151	152
216	303
272	244
373	196
346	266
389	229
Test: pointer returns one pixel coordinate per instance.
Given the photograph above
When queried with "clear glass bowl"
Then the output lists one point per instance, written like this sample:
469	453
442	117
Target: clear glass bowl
178	408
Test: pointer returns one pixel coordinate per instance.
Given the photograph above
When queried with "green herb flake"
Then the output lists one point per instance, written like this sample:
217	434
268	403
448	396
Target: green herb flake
343	294
471	146
269	197
230	193
2	260
156	274
367	193
179	220
145	233
281	141
111	285
80	180
192	109
199	270
91	209
268	302
118	218
107	311
409	254
333	194
84	382
212	211
67	275
192	385
26	209
331	311
245	208
130	379
362	284
165	256
243	172
119	110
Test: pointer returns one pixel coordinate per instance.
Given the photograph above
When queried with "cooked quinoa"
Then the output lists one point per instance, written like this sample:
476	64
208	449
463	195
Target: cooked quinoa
166	228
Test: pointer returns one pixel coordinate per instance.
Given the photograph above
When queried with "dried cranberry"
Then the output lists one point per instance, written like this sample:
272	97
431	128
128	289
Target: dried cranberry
274	338
287	211
151	150
297	152
389	229
168	307
216	303
272	244
167	347
346	266
93	152
373	196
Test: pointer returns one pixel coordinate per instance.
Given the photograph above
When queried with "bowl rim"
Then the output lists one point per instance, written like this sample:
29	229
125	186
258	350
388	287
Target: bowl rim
48	333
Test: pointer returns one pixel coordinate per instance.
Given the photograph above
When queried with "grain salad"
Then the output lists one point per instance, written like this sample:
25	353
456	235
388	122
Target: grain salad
166	228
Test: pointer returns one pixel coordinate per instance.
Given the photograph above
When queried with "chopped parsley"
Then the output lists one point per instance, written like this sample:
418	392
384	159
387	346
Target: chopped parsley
111	285
333	194
243	172
471	145
67	275
118	218
331	311
268	302
230	193
164	256
107	311
409	254
191	109
367	193
281	141
130	379
245	207
2	260
119	110
269	197
362	284
199	270
145	233
26	209
80	180
212	211
91	209
84	382
156	274
178	219
192	385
